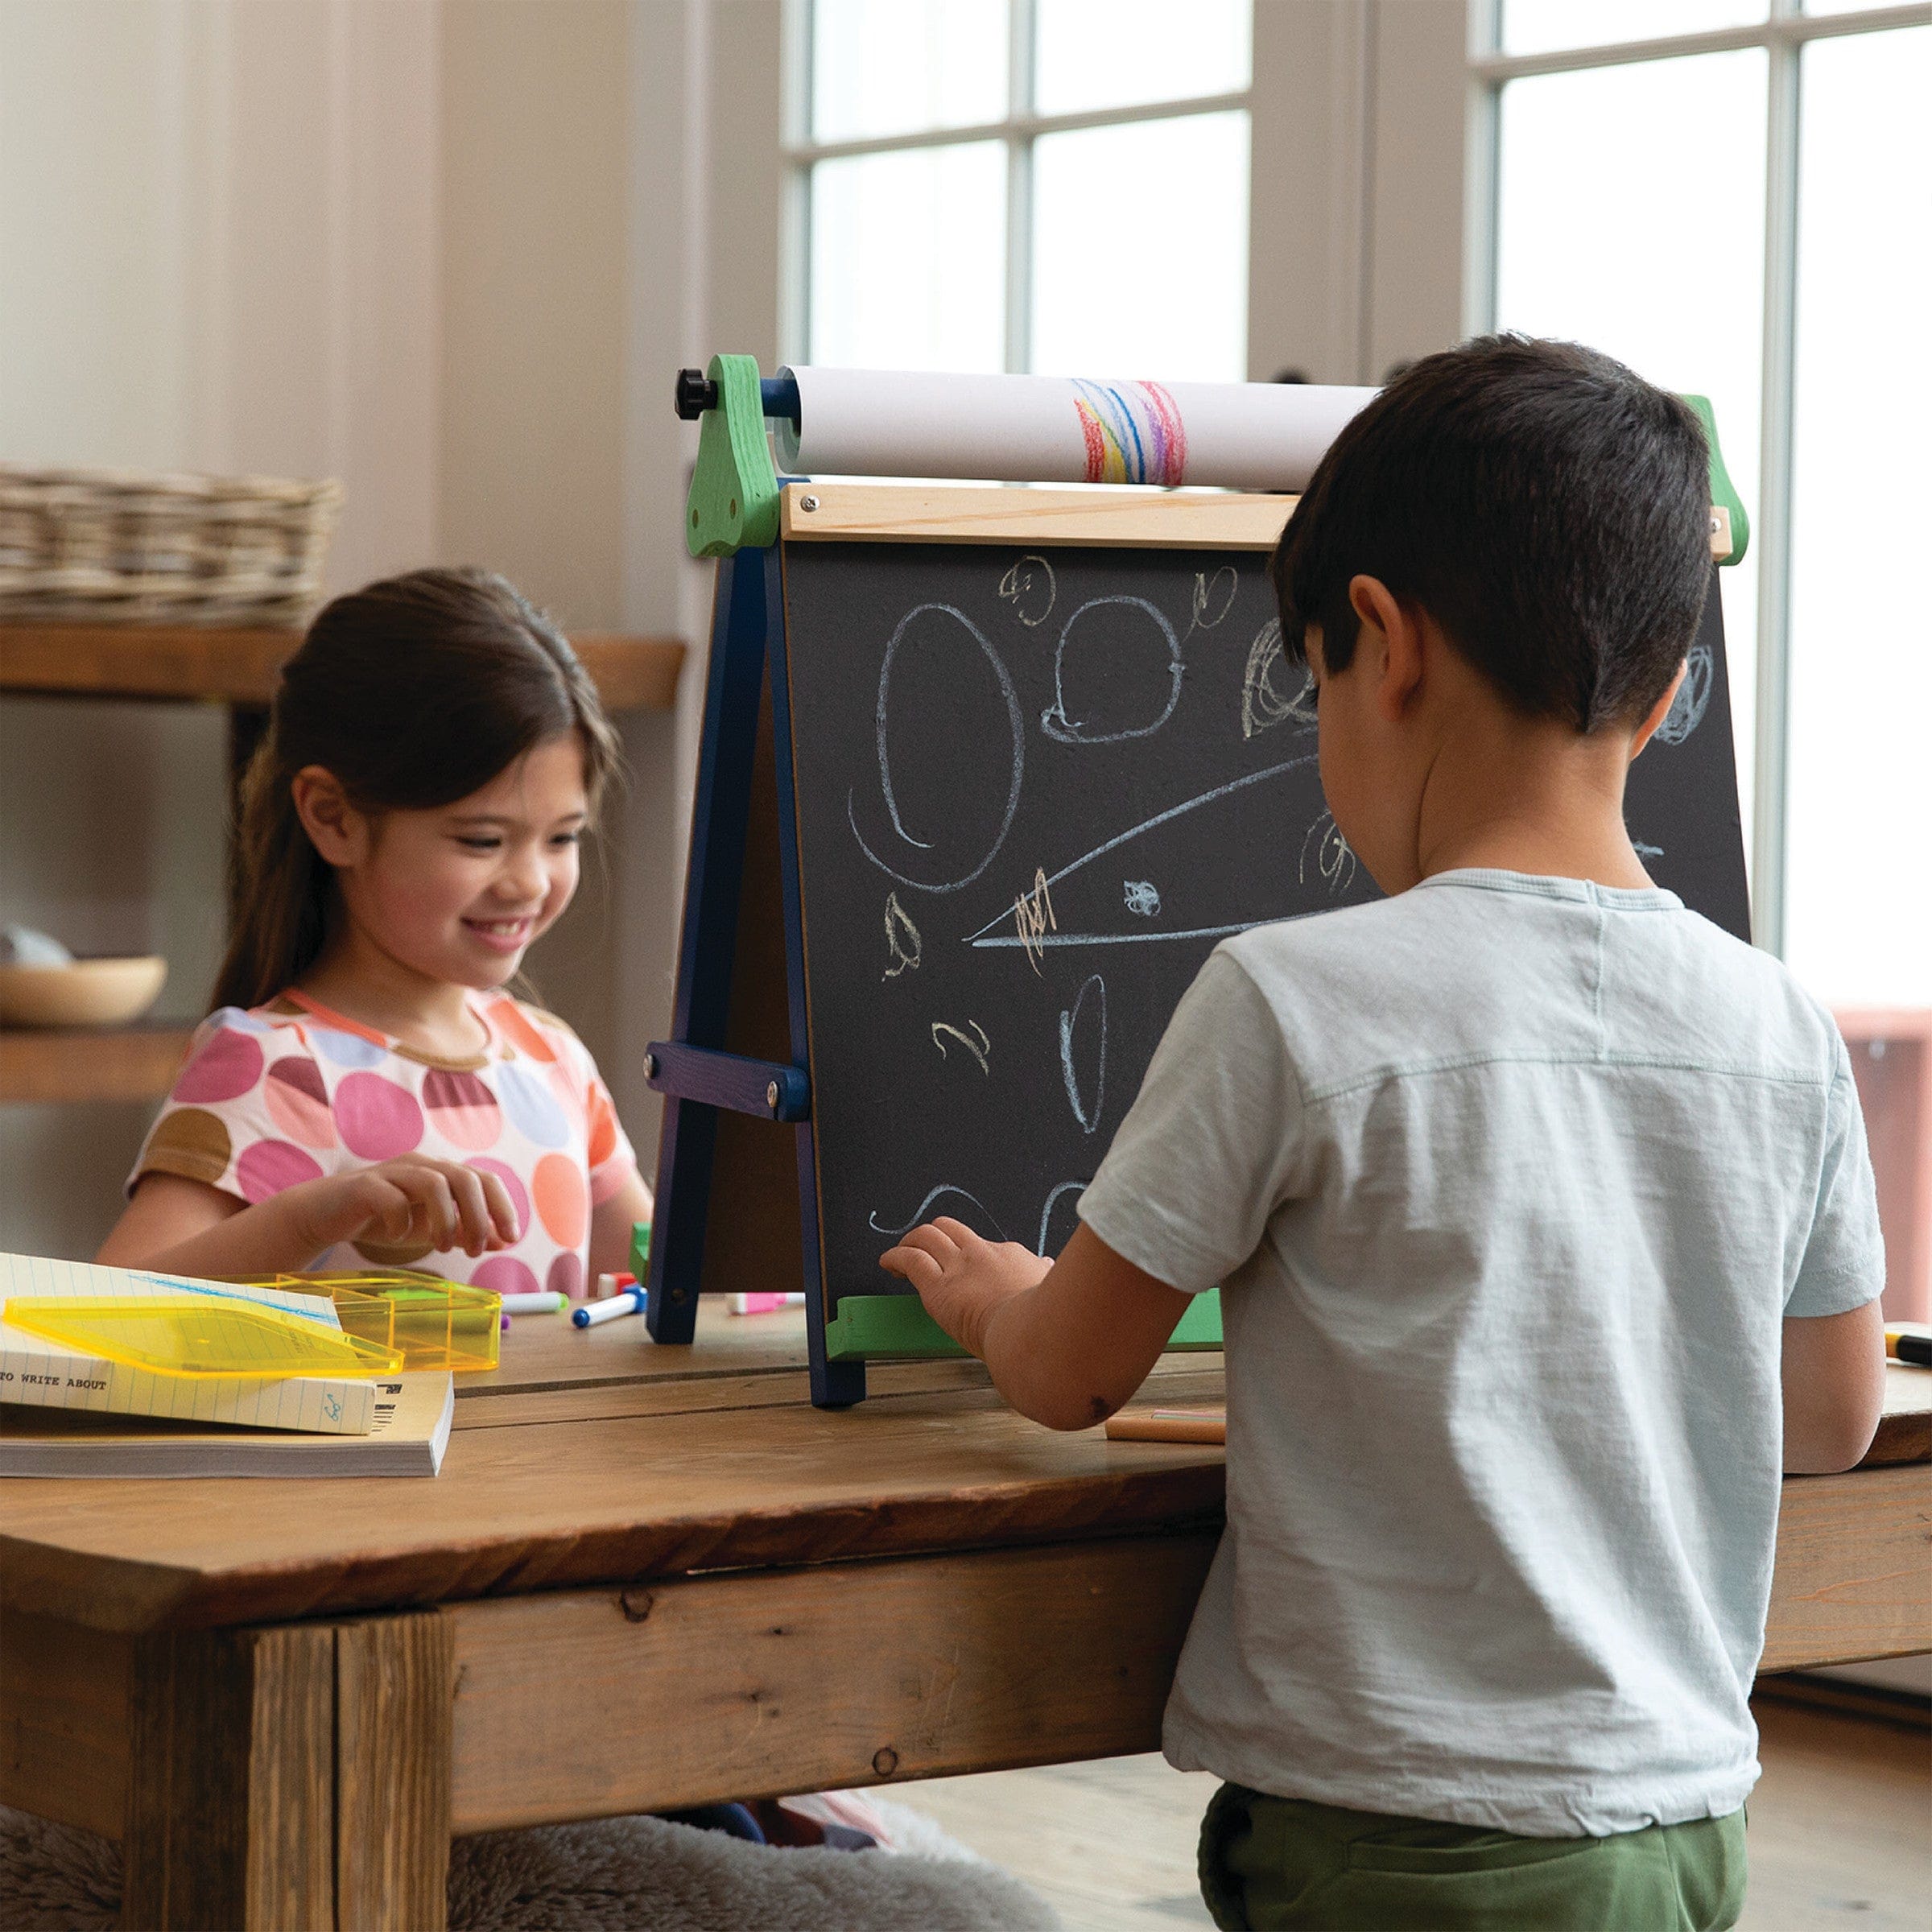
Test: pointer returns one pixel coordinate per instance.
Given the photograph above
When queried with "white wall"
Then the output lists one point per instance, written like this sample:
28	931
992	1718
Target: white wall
451	251
440	250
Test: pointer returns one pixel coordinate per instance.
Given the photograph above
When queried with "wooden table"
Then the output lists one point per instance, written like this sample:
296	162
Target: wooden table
652	1577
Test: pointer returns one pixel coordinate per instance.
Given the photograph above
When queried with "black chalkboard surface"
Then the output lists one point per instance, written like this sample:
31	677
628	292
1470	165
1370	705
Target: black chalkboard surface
1032	791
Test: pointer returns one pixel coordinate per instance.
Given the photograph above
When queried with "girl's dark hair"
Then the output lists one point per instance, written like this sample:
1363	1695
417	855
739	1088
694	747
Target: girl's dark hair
413	693
1547	506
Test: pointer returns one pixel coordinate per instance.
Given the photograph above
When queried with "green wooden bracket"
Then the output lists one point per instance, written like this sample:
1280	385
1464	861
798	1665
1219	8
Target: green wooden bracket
1724	493
733	503
869	1326
640	1251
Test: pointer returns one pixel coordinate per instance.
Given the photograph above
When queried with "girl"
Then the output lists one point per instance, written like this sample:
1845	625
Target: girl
366	1092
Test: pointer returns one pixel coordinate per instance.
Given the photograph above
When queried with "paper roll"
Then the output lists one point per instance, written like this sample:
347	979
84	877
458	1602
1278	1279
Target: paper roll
1061	429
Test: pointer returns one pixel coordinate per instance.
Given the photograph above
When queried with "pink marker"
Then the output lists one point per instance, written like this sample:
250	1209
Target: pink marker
762	1304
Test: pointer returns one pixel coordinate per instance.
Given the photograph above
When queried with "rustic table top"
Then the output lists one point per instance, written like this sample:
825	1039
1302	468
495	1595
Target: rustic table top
594	1457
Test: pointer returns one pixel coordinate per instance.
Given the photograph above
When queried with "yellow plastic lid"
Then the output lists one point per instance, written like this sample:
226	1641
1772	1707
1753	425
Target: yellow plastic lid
199	1335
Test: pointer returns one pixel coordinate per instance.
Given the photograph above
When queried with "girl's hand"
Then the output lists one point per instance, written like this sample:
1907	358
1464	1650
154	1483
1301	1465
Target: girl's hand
411	1199
962	1278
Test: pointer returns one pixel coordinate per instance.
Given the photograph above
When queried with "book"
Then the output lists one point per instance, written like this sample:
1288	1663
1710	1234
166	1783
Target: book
407	1435
37	1371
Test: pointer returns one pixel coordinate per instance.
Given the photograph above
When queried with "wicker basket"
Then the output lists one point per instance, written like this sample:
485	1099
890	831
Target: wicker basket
110	545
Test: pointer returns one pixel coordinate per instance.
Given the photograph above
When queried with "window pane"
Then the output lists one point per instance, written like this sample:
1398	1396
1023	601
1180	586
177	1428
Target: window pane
1625	244
1859	920
893	67
1113	53
908	259
1139	250
1539	26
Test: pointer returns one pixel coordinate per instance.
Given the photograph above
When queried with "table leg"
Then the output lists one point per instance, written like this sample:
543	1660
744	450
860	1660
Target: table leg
290	1780
395	1687
230	1818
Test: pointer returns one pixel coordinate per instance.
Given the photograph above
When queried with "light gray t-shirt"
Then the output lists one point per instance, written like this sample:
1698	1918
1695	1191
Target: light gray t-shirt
1509	1182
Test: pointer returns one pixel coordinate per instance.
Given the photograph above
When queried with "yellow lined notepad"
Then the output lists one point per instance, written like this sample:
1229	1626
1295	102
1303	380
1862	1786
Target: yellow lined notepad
42	1373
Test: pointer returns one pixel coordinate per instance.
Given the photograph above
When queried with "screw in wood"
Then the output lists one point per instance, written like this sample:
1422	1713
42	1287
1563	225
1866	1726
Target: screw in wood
808	502
651	1065
885	1761
771	1096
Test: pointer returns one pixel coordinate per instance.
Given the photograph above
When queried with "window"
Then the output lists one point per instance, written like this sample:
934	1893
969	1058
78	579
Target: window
1049	185
1734	196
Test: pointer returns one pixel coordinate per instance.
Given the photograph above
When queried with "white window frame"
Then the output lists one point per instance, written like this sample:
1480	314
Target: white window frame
1784	35
1018	130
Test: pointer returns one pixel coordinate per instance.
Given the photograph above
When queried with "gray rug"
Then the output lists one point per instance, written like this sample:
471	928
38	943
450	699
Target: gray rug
616	1875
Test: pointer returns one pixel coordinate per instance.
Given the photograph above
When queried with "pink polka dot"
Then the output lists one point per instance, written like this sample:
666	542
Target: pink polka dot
464	1109
298	1102
224	1070
269	1166
379	1119
566	1275
562	1199
505	1274
512	1184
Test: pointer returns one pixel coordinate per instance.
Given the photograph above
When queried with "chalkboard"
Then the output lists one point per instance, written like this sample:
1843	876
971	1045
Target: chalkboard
1032	791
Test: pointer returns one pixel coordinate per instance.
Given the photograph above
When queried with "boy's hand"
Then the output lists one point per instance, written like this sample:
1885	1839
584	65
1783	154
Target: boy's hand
411	1199
961	1277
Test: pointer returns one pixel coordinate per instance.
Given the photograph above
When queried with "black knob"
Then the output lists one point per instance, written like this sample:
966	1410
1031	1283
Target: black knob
695	395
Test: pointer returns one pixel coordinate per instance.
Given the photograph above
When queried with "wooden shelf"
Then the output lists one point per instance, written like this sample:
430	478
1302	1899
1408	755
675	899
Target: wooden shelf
126	1063
239	666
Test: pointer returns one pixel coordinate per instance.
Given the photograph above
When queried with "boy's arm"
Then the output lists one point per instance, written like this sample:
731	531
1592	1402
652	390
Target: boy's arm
1835	1388
1067	1341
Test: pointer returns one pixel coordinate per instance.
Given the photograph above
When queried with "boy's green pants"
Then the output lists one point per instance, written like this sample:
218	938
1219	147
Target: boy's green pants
1282	1865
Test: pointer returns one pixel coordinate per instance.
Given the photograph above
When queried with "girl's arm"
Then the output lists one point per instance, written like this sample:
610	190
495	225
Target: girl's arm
611	1222
187	1226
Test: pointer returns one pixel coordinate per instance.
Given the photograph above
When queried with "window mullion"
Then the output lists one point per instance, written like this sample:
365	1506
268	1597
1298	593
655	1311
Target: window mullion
1774	506
1019	188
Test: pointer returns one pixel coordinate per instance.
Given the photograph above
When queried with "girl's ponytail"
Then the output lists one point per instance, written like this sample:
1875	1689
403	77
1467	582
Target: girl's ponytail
278	896
414	692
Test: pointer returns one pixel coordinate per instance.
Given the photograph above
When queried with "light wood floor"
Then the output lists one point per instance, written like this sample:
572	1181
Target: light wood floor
1841	1831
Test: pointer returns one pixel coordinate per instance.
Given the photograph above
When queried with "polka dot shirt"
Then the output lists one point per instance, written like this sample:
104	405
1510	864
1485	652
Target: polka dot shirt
291	1092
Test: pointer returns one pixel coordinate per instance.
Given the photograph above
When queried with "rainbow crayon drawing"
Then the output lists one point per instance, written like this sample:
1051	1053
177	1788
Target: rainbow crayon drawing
1133	432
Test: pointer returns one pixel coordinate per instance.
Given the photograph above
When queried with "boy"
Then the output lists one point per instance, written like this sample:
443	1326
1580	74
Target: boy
1527	1188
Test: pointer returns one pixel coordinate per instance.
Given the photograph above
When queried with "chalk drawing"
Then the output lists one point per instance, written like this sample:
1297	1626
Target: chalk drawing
1687	711
1263	703
1213	597
1016	728
1133	831
1054	719
1053	1199
1032	916
1089	1117
919	1213
1333	860
1133	432
902	939
979	1048
1142	898
1030	587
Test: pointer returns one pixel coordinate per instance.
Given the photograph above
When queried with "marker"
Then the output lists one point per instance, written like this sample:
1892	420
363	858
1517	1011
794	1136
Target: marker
1908	1345
630	1301
547	1302
762	1304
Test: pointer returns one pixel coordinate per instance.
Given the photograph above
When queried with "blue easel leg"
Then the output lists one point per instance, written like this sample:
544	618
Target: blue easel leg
720	811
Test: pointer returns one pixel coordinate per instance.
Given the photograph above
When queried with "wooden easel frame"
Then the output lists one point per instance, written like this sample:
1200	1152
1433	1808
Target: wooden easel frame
735	1055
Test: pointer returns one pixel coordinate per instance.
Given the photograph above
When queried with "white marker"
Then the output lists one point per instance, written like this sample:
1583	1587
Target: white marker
630	1301
547	1302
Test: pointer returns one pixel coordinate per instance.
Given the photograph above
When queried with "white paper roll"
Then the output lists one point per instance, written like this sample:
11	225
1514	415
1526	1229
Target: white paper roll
1062	429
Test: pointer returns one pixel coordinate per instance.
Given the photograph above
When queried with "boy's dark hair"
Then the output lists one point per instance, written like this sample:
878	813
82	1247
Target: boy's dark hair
1548	507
